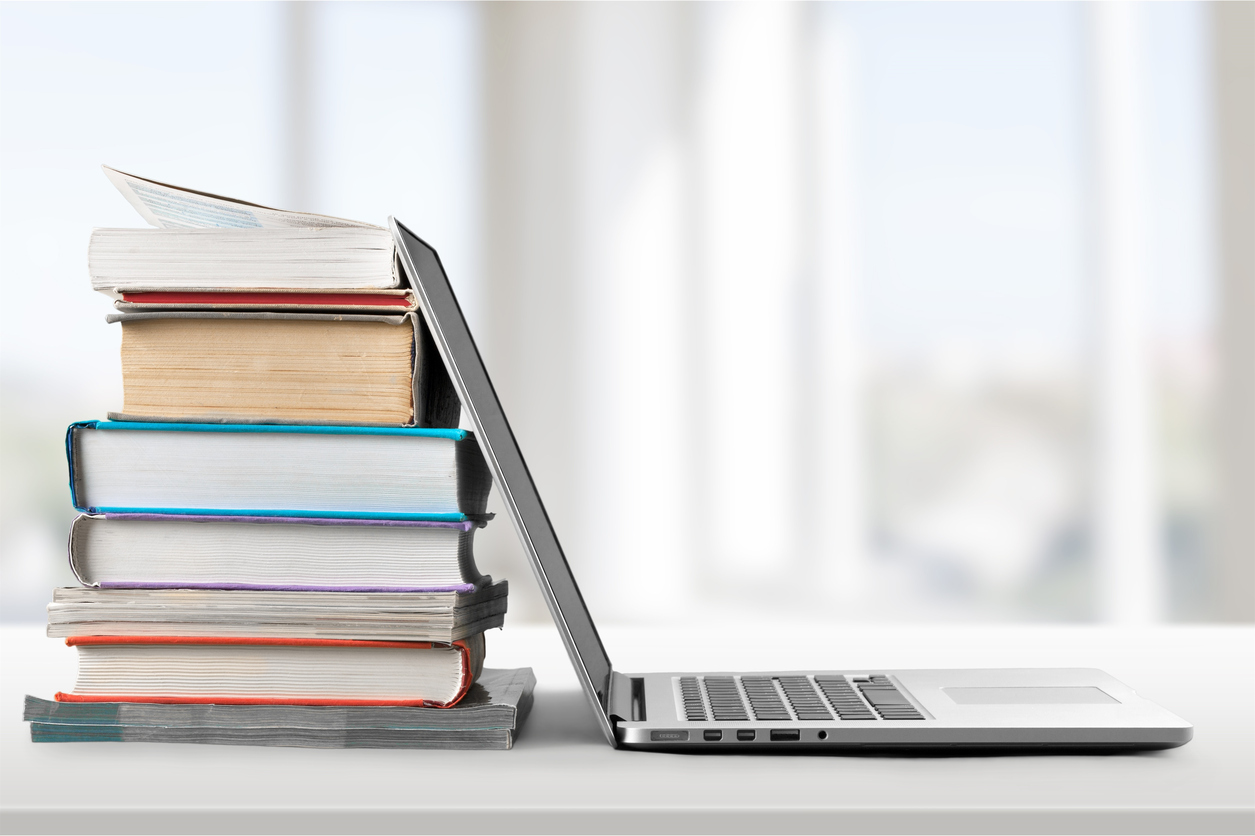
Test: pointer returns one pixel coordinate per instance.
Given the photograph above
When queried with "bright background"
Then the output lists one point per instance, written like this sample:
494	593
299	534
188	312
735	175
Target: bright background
800	312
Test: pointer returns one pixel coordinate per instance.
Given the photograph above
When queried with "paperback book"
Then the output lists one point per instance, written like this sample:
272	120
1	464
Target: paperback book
205	243
364	616
489	716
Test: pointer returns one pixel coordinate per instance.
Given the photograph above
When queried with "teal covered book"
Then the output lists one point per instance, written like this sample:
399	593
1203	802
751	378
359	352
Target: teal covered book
281	470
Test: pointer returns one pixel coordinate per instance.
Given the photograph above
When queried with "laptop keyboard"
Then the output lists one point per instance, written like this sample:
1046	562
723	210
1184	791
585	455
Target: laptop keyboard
764	700
848	704
725	700
784	698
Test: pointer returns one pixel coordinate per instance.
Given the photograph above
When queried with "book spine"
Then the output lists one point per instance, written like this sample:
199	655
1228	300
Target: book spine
71	458
435	398
76	528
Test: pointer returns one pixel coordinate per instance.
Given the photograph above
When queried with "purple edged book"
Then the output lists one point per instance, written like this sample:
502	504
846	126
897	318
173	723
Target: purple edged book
310	554
225	575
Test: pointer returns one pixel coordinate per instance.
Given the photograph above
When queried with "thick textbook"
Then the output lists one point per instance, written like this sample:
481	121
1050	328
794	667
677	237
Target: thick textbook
362	616
205	242
276	470
191	551
289	671
488	717
241	367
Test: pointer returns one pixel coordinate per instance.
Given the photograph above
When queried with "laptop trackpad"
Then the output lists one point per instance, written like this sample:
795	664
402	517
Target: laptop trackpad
1078	695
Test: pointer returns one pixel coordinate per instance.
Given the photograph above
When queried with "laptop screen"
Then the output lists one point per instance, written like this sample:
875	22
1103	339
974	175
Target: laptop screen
510	473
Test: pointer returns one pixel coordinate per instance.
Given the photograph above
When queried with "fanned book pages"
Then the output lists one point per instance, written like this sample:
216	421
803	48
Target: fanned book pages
206	243
255	671
488	717
236	367
174	207
189	551
276	470
360	616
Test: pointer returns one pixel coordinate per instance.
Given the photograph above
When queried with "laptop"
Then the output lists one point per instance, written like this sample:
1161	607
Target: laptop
1029	709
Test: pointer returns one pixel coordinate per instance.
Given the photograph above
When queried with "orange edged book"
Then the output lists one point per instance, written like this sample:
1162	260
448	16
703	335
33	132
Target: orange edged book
272	671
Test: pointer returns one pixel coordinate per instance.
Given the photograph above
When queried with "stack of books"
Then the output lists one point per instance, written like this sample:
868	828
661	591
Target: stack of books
275	543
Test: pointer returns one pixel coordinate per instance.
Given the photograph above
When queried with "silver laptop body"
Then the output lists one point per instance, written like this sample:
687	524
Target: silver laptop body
1025	709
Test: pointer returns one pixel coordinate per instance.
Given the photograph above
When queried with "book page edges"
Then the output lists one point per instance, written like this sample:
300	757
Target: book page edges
434	415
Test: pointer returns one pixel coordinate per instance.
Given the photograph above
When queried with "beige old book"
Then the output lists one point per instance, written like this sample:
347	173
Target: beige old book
283	368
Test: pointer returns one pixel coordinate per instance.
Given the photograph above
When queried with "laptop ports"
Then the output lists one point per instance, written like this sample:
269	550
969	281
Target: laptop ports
746	734
712	735
786	734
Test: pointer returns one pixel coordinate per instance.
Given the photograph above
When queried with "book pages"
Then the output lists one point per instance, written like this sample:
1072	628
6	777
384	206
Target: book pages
166	206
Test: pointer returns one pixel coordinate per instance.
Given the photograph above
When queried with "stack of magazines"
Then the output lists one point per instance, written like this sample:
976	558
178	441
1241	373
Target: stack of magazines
275	543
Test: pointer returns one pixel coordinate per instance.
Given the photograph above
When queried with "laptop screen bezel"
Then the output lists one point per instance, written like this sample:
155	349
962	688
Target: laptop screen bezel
452	335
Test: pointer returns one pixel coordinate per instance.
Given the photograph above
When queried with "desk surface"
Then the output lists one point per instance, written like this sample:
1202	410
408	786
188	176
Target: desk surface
563	777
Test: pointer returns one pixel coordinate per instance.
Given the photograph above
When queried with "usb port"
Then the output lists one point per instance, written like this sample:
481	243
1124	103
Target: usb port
745	734
712	734
786	734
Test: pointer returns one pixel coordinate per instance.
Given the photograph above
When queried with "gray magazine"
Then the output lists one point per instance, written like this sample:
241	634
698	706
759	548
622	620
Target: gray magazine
488	717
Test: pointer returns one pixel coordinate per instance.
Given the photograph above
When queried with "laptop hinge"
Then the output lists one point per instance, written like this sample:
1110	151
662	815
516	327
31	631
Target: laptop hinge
627	697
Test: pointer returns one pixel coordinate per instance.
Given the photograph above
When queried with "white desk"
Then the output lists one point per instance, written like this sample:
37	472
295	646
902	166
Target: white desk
563	778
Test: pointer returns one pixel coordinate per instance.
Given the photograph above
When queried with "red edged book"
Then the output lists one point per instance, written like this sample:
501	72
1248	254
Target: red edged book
307	300
273	671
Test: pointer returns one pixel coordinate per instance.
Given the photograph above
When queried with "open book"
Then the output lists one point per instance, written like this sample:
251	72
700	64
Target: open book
173	207
211	252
